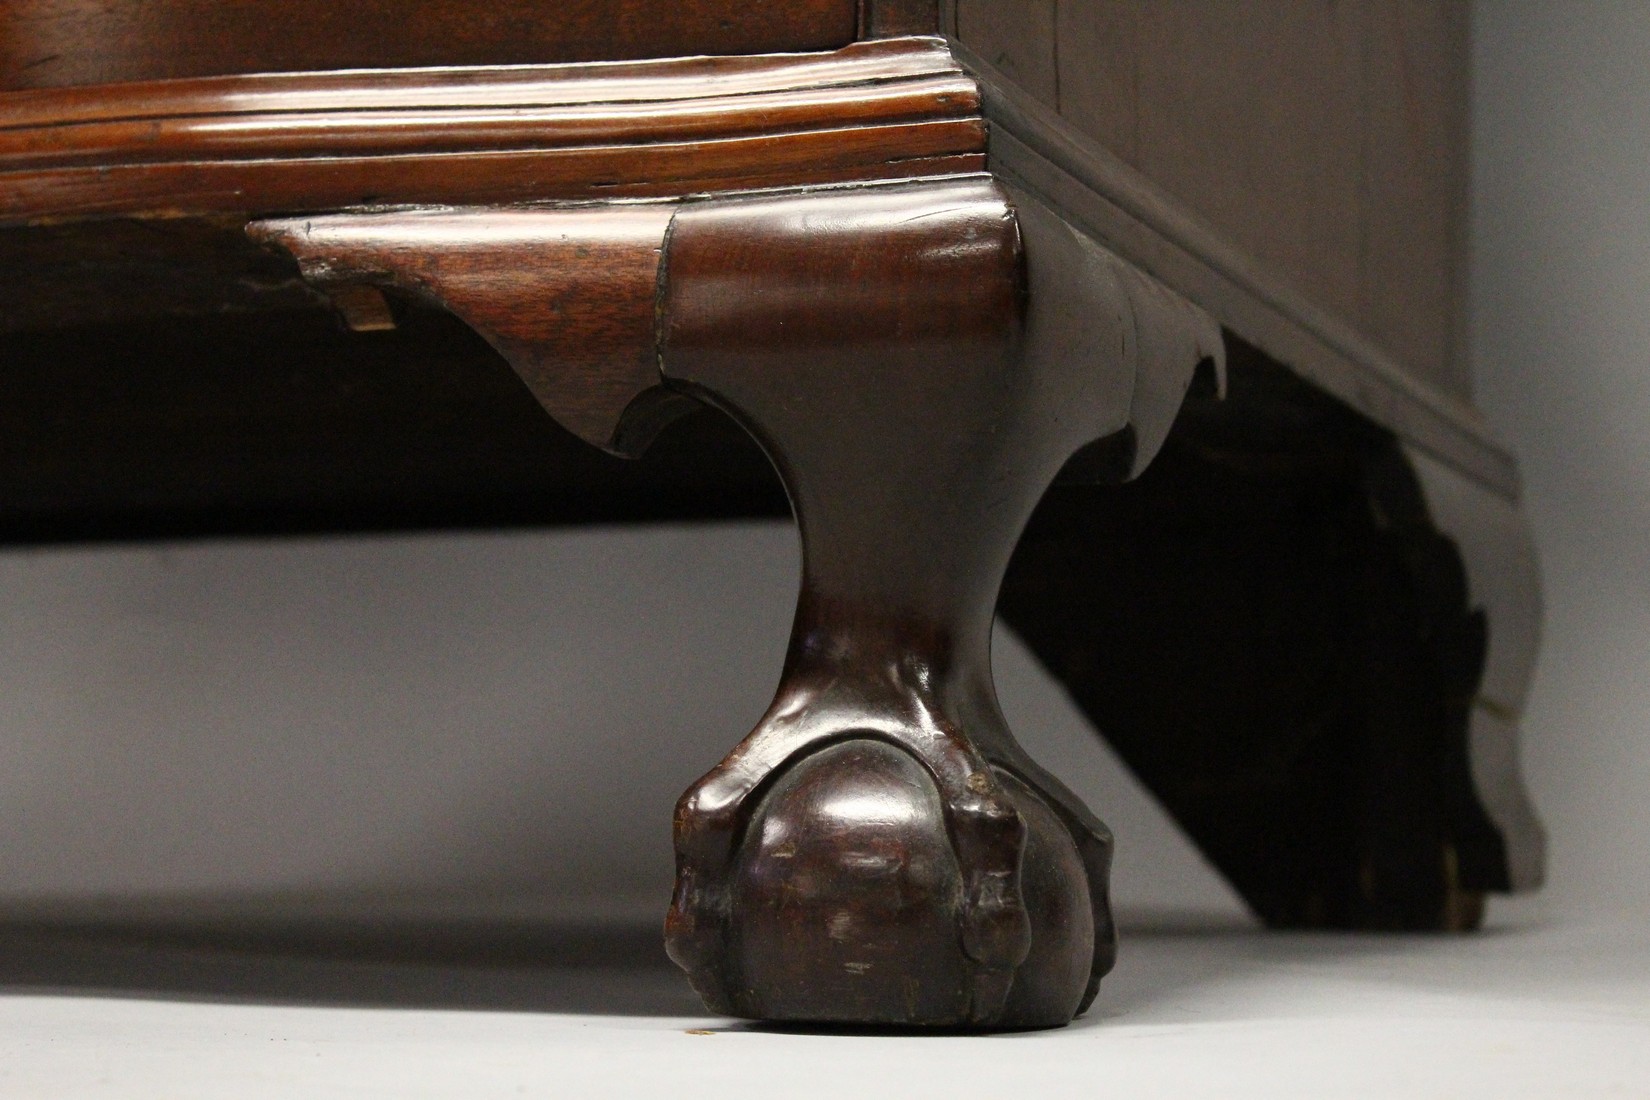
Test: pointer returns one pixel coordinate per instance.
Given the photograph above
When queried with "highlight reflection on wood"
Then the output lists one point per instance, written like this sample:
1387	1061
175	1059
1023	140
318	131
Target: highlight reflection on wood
813	319
311	141
906	276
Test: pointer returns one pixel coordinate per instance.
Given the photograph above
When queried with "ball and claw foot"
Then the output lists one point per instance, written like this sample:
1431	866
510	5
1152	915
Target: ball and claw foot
844	898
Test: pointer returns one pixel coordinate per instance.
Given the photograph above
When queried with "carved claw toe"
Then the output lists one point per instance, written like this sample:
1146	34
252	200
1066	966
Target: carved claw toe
846	901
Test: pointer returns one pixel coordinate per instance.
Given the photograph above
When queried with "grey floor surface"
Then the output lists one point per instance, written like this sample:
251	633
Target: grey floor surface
1537	1011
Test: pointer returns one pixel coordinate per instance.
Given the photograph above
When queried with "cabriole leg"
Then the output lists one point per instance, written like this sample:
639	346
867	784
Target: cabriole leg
918	361
879	849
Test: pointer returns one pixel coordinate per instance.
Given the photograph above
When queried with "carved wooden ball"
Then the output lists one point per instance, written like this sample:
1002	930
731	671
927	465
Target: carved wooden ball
848	899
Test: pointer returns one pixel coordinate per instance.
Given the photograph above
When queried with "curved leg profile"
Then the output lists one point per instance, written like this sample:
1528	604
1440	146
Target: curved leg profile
879	848
1310	645
918	361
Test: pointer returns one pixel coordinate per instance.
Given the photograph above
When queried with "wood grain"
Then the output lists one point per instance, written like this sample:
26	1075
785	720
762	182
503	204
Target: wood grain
295	142
1417	174
567	299
1018	40
67	42
888	18
1217	685
815	319
1326	141
1032	147
222	148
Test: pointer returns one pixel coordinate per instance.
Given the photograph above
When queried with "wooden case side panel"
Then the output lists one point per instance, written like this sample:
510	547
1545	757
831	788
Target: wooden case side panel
1417	172
1327	140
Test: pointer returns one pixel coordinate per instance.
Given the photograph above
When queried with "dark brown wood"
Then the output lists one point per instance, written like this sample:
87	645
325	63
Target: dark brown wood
409	131
891	637
917	360
61	42
842	918
1246	686
1326	141
278	422
813	320
72	275
891	109
890	18
1033	148
568	299
1311	730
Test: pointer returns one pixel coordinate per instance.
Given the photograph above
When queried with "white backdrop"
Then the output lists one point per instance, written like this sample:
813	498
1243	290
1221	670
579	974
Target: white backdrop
511	716
486	721
1561	338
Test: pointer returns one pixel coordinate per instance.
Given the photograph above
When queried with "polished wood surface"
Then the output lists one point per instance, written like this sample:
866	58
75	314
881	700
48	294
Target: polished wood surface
891	109
919	349
50	43
1326	141
1245	686
1032	148
813	319
569	299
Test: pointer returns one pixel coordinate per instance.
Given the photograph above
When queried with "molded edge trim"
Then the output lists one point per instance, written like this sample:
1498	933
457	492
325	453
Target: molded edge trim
1032	148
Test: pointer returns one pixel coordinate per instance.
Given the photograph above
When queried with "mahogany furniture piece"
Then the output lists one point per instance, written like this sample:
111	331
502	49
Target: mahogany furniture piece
956	271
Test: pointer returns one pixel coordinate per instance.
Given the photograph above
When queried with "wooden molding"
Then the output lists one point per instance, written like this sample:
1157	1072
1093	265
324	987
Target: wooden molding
896	108
892	109
1034	149
921	294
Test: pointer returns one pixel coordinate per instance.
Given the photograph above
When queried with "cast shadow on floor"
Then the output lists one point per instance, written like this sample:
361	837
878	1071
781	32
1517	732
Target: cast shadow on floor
531	966
524	967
